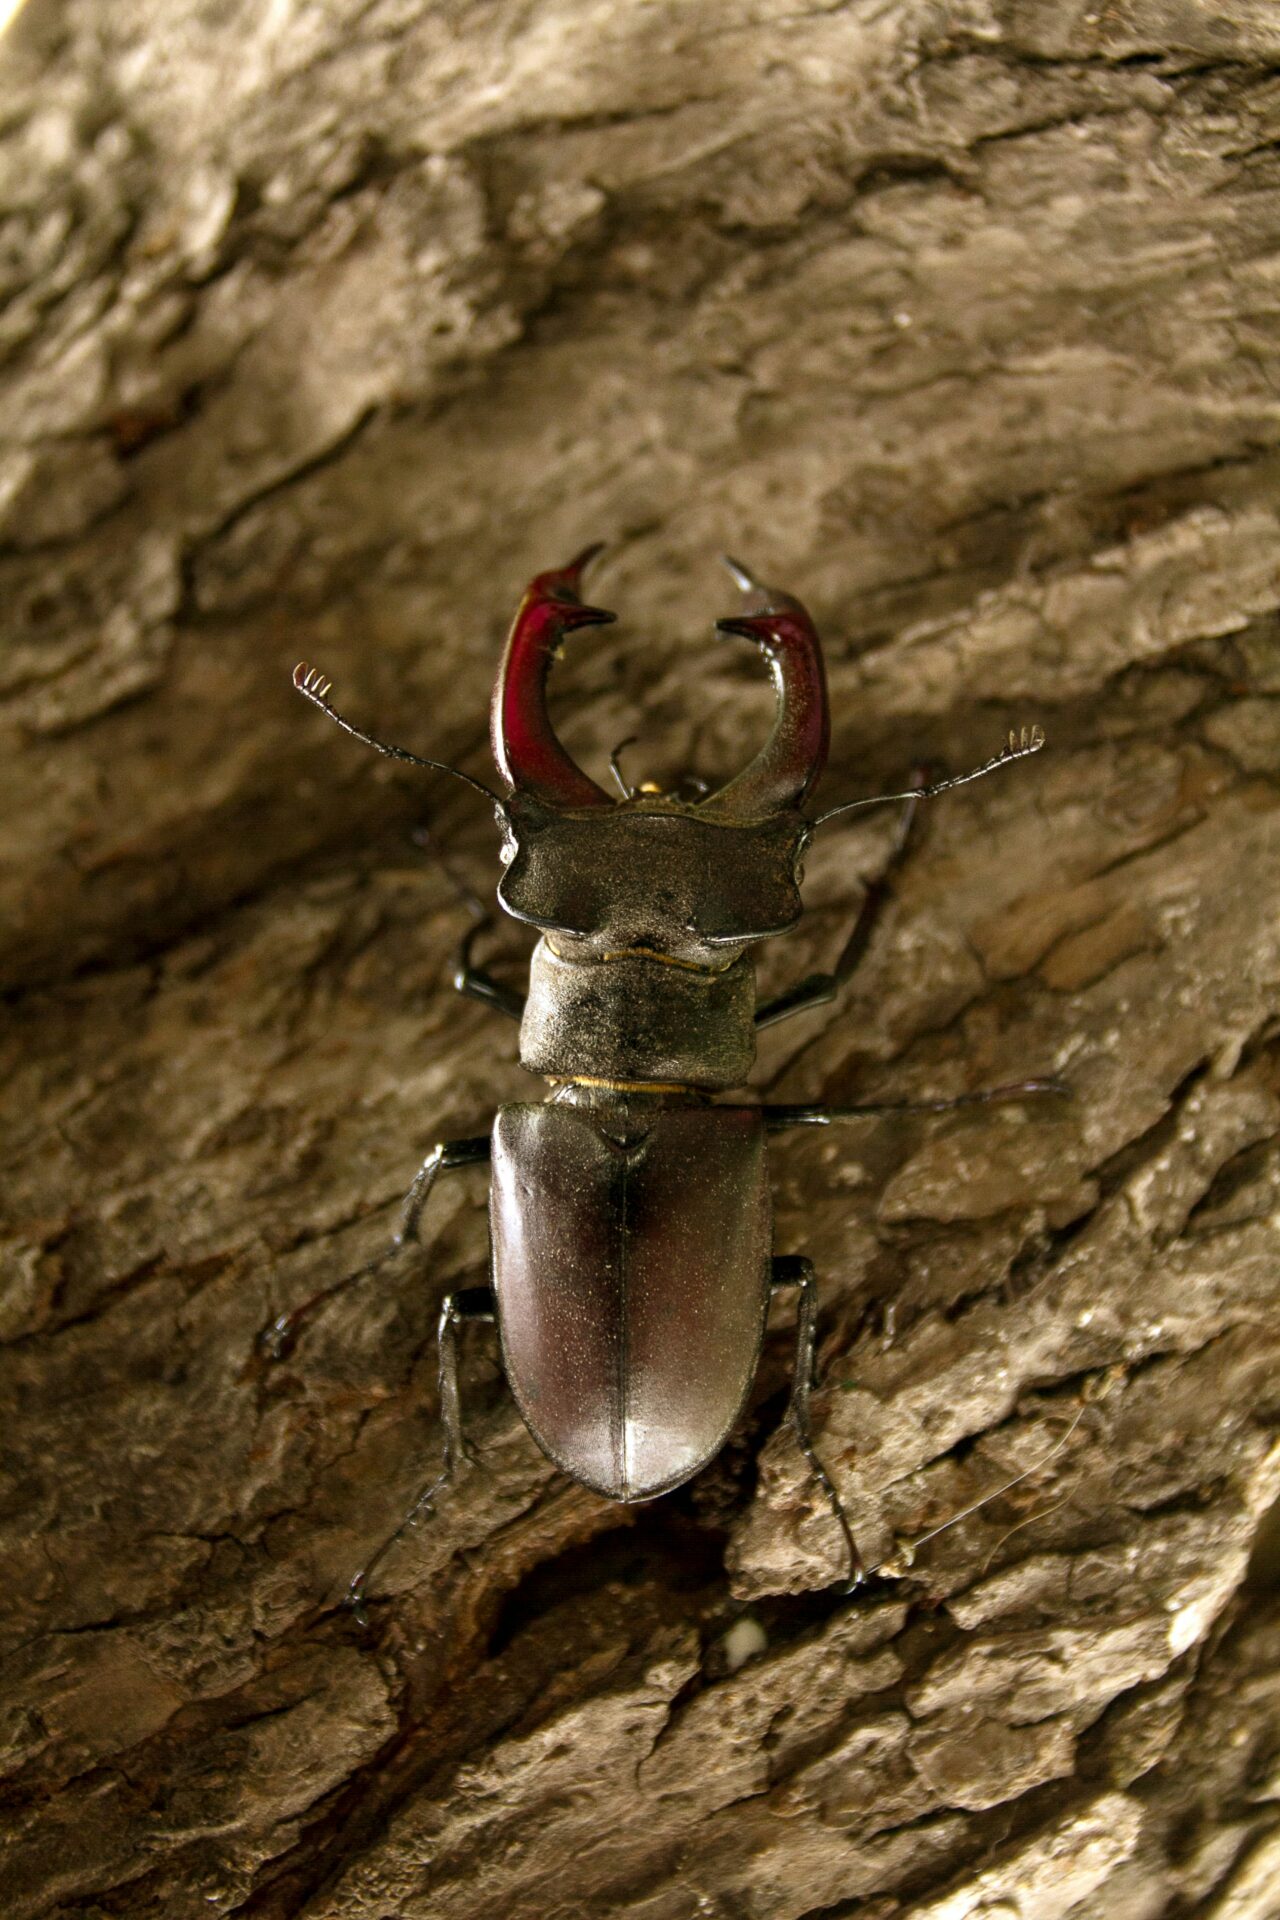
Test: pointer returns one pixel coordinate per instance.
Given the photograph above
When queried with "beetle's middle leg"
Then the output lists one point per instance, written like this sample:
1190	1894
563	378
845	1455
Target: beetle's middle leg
794	1270
474	1304
446	1157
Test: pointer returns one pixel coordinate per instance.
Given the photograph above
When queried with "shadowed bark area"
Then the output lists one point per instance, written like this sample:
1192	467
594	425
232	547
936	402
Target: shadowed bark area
323	329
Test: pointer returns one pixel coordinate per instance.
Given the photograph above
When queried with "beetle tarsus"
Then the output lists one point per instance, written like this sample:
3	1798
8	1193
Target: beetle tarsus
276	1341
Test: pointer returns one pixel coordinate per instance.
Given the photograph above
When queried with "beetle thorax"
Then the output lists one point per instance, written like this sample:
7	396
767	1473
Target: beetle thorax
642	977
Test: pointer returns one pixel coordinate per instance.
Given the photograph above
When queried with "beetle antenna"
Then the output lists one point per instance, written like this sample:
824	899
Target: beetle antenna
311	682
1018	746
897	1564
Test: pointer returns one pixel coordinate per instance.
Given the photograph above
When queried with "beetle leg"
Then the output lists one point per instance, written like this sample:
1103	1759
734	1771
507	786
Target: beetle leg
468	1304
277	1339
794	1270
481	985
777	1118
468	978
818	989
445	1158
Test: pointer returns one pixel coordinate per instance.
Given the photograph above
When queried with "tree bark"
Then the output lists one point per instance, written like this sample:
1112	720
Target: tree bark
325	328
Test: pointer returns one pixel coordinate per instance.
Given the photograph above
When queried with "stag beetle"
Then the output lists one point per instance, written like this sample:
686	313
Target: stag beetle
632	1260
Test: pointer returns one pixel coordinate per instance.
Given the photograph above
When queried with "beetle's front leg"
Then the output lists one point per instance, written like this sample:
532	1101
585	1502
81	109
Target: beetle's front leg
475	1304
794	1270
445	1157
476	982
479	984
819	989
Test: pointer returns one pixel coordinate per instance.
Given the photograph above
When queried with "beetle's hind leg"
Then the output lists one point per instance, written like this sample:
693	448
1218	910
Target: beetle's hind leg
794	1270
469	1304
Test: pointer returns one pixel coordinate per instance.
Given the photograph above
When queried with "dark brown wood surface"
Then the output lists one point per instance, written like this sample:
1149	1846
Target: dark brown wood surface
323	328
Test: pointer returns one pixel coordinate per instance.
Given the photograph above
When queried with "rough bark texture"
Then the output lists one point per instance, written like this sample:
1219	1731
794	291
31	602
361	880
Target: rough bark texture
324	328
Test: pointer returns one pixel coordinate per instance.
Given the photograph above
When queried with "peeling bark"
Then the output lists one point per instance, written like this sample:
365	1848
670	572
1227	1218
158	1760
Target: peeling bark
324	329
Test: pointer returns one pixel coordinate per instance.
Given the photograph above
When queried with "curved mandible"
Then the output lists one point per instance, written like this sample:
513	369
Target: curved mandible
795	753
529	756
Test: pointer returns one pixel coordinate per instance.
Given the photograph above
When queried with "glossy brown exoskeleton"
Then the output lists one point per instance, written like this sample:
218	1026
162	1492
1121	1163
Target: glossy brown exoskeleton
631	1231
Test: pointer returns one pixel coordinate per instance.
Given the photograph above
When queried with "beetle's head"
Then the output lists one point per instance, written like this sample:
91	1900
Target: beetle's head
693	879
